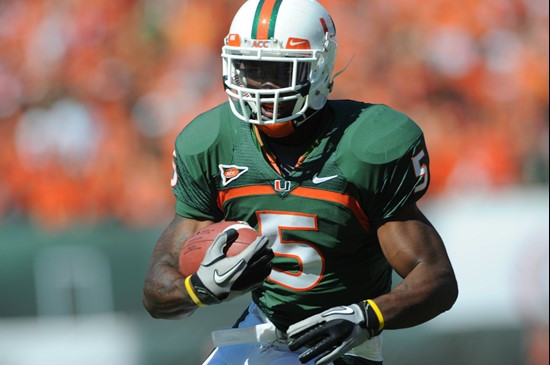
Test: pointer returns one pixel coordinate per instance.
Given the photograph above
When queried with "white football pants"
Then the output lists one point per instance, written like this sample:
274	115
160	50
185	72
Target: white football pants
262	349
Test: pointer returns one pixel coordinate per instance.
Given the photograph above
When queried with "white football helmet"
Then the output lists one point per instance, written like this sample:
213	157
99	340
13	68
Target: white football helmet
290	41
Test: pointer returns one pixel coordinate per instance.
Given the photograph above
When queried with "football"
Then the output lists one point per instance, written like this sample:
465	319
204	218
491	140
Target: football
195	247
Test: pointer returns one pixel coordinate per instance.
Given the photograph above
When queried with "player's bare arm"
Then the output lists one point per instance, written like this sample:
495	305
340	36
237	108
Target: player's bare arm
417	253
169	294
164	294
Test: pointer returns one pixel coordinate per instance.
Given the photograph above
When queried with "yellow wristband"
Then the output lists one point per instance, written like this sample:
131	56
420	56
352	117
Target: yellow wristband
191	292
378	314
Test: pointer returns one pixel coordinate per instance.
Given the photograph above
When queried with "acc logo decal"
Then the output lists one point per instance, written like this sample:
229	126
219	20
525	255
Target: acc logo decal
231	172
260	44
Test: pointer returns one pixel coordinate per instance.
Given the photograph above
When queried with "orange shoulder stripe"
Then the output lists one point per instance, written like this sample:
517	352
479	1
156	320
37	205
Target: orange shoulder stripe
343	199
229	194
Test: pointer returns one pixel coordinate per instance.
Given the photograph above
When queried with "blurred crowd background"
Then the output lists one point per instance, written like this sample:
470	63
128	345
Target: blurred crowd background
93	93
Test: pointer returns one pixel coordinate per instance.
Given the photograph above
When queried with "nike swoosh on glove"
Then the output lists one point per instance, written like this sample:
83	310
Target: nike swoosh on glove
330	334
222	278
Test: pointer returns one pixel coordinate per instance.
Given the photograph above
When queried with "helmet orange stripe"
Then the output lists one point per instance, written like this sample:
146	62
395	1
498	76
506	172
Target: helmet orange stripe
265	19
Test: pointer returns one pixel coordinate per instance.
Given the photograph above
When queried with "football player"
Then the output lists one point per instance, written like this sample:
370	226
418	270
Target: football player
331	185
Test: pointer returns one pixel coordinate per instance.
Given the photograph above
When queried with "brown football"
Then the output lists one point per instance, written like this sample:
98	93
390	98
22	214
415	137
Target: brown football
195	247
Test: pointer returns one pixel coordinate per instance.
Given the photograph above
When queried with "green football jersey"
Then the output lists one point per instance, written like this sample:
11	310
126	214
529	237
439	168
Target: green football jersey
369	161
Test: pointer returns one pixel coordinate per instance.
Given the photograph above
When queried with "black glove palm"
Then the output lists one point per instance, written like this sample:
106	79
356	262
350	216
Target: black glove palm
332	333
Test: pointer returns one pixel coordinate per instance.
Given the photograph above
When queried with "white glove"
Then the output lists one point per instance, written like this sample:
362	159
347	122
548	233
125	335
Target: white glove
332	333
221	278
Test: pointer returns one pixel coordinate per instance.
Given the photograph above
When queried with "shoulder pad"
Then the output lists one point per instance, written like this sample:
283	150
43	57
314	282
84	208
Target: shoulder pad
205	131
381	134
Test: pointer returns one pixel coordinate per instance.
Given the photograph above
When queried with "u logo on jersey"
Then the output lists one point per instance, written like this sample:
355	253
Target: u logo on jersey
231	172
279	186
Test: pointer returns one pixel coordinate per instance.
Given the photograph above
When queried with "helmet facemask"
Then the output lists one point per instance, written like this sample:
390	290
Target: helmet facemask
272	84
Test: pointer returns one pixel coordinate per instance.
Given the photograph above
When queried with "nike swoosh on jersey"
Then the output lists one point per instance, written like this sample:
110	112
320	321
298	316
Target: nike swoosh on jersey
221	279
341	310
319	180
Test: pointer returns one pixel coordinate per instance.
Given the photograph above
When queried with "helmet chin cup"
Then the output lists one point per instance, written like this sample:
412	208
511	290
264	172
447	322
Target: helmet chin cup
247	105
280	34
278	130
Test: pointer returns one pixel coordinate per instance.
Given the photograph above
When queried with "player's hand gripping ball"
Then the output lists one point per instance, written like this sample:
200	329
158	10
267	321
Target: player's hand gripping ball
195	247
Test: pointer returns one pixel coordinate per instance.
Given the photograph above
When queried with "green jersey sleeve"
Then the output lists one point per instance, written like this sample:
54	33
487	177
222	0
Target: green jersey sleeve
390	163
403	182
194	198
195	165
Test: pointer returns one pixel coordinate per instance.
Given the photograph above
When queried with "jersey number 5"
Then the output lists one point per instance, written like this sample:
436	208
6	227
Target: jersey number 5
311	264
420	171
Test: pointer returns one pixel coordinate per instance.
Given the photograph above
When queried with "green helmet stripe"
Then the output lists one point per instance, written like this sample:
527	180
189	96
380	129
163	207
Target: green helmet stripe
273	19
257	19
